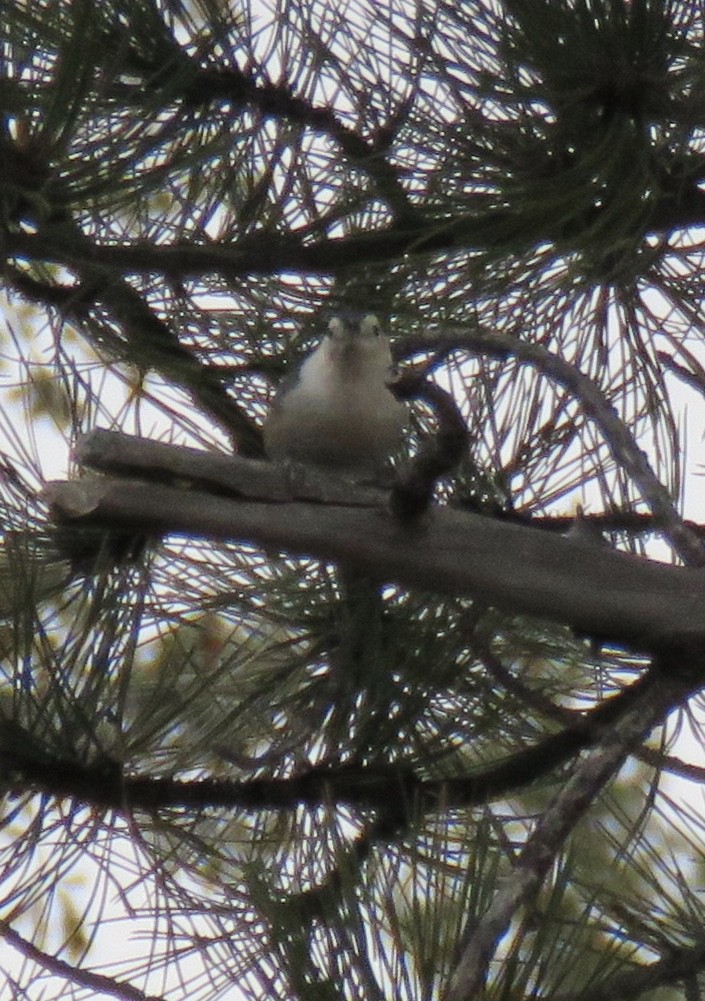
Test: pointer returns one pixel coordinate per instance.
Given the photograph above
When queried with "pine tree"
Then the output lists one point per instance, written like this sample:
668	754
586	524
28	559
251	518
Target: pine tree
214	787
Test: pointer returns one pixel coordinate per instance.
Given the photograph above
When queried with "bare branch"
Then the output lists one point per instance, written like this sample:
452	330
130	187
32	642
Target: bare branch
615	595
73	974
233	475
551	830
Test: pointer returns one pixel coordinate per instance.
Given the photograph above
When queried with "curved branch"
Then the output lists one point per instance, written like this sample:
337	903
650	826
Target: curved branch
387	788
155	344
439	453
277	101
617	435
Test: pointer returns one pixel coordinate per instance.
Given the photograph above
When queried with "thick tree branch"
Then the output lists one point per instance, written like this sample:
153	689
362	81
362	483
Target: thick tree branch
395	791
229	475
480	228
236	476
253	254
597	591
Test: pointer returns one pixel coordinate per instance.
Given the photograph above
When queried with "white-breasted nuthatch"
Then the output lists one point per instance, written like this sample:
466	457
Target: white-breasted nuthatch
337	411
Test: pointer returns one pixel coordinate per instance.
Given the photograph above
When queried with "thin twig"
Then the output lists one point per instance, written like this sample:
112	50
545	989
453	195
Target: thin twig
83	978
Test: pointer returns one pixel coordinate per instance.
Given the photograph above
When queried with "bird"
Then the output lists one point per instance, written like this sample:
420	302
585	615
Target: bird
337	411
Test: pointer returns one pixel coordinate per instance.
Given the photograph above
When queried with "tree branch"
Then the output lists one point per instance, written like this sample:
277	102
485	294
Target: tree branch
439	453
480	228
680	964
620	597
277	101
73	974
617	435
550	832
389	789
228	475
153	343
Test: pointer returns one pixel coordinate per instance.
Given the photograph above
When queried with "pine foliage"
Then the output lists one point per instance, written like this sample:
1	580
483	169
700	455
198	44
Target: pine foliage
205	793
